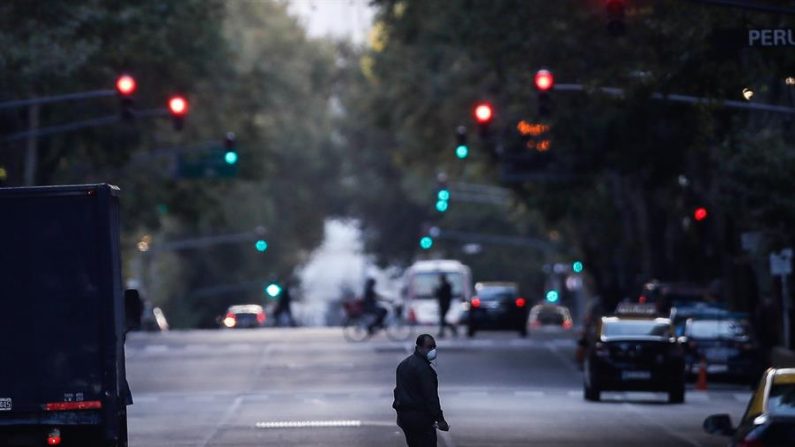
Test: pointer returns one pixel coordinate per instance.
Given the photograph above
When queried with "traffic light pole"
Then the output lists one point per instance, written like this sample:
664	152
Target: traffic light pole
747	5
687	99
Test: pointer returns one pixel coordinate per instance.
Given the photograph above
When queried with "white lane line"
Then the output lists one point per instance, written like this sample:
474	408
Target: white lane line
200	398
531	393
197	347
663	427
309	424
742	397
697	396
473	394
239	347
575	393
230	412
156	348
568	362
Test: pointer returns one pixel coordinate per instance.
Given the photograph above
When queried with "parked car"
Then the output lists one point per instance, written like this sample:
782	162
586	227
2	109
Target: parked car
244	316
496	306
550	315
726	346
769	419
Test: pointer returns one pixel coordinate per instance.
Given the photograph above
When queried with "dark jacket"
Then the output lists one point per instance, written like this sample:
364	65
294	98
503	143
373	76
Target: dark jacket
444	293
417	388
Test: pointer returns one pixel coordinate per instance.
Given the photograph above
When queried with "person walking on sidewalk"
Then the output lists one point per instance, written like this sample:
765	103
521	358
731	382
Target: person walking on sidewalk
444	295
419	411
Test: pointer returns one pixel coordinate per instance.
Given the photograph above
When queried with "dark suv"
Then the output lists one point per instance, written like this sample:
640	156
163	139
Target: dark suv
498	306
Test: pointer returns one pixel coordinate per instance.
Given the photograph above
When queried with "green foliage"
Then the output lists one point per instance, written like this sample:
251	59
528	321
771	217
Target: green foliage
624	212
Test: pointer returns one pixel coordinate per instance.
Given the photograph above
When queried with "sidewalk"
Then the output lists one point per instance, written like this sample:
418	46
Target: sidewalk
783	358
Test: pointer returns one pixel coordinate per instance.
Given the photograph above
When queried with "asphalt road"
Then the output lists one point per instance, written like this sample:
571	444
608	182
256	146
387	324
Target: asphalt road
309	387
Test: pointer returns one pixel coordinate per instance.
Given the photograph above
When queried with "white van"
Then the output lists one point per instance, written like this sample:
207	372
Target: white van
419	285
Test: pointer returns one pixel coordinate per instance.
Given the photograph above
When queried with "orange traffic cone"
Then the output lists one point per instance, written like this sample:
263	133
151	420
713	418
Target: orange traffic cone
701	383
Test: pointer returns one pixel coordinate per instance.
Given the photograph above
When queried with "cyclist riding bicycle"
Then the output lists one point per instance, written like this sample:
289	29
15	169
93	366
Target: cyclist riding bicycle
372	307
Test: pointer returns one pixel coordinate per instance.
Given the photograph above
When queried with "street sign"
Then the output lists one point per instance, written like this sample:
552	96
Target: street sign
781	263
770	37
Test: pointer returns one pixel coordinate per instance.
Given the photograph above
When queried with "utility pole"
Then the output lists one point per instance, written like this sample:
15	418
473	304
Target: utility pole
32	148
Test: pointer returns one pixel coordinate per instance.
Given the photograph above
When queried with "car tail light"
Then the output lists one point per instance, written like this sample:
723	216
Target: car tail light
642	299
567	324
475	302
71	406
751	443
602	350
261	317
54	437
520	302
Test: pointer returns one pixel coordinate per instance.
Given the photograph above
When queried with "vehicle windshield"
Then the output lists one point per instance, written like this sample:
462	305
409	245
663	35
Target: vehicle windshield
629	328
497	293
424	284
718	329
781	400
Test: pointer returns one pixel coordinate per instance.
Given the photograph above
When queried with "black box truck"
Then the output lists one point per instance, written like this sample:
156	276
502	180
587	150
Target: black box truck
62	376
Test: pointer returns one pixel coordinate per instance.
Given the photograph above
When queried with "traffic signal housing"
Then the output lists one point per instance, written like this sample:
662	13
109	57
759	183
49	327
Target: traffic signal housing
125	88
461	146
230	149
484	116
426	242
616	12
544	82
178	109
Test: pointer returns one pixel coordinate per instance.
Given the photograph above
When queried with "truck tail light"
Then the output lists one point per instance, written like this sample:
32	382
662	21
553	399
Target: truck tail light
71	406
54	437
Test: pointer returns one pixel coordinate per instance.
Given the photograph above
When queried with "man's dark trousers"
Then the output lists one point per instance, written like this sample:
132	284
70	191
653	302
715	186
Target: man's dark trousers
418	428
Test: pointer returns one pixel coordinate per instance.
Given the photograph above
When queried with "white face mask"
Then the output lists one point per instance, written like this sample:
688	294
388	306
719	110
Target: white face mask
431	355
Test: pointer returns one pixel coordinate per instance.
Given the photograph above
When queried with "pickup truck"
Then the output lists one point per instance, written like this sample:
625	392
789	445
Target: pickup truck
62	322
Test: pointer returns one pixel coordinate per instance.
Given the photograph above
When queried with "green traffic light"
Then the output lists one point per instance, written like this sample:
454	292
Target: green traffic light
462	151
230	157
261	246
443	195
577	267
442	205
426	243
553	296
273	290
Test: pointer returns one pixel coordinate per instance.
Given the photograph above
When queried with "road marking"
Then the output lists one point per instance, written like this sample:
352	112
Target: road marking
742	397
474	394
531	393
156	348
309	424
224	420
697	397
666	429
577	393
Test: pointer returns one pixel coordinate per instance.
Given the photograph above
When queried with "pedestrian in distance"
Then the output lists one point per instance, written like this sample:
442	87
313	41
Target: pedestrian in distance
444	295
419	411
283	310
372	307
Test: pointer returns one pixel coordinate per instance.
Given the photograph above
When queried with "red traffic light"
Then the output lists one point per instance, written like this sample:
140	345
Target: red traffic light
484	113
126	85
178	106
544	80
700	214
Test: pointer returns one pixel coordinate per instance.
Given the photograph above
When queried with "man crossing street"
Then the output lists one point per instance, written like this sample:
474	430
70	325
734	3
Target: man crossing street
419	411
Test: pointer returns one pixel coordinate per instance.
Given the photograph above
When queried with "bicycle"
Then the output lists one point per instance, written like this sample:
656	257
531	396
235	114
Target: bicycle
357	323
